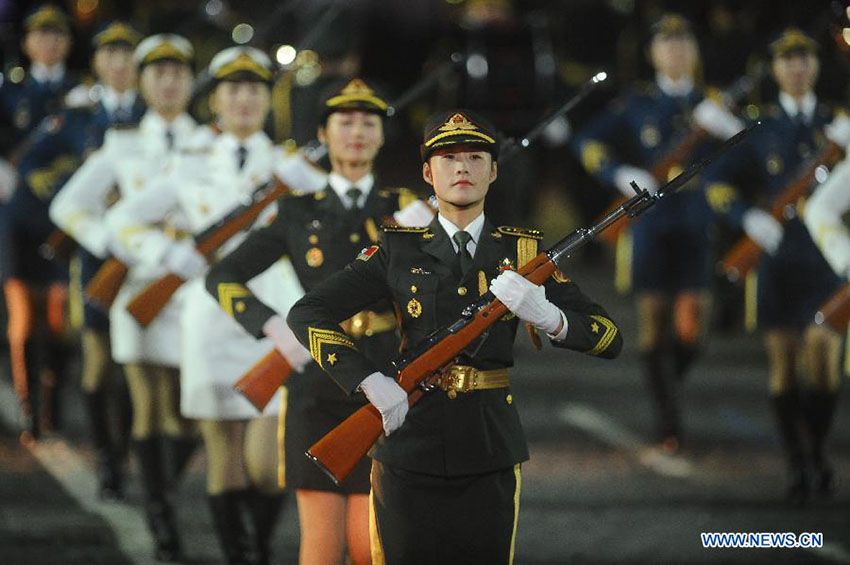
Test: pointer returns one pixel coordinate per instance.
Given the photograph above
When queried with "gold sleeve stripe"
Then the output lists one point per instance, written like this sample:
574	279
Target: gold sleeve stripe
74	220
526	250
593	154
125	235
825	231
483	287
607	337
720	196
228	292
318	337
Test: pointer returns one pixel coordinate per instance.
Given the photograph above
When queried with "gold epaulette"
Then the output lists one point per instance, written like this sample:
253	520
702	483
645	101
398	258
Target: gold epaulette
520	232
715	95
772	110
394	228
405	195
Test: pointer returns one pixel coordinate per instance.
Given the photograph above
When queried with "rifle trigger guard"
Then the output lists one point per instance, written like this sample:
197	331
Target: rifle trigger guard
428	384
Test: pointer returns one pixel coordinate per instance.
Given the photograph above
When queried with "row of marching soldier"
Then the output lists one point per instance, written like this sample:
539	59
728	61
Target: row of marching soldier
134	180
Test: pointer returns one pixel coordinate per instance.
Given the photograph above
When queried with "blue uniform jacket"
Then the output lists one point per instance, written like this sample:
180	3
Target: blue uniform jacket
639	129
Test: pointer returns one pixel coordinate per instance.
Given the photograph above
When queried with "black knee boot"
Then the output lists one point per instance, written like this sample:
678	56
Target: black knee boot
265	509
109	469
789	419
178	452
820	408
51	379
226	509
29	403
159	514
663	393
684	355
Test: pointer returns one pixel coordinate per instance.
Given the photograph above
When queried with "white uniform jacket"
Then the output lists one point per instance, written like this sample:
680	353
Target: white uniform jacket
128	161
203	184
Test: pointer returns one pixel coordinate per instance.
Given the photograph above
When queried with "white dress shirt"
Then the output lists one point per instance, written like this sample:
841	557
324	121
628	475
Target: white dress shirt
342	185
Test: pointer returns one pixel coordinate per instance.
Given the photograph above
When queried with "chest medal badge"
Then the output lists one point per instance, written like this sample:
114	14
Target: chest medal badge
315	257
414	308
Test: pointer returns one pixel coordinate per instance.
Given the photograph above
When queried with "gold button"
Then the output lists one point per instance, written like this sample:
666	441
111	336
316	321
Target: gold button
355	237
240	307
461	290
452	394
313	239
509	399
413	289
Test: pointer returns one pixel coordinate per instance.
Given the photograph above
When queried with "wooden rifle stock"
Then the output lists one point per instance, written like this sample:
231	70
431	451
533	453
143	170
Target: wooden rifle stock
104	287
339	451
262	380
745	254
835	312
58	245
147	305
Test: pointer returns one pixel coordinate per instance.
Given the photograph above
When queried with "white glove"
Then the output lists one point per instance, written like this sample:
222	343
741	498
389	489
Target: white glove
415	214
388	397
8	180
297	172
838	130
527	300
764	229
625	174
286	343
183	260
717	119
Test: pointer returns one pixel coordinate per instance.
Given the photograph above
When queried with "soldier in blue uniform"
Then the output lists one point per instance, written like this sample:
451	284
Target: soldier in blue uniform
670	254
35	294
26	100
57	148
446	476
792	278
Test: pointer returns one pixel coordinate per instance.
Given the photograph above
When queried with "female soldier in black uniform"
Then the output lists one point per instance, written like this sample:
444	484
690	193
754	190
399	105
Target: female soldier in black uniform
321	233
445	484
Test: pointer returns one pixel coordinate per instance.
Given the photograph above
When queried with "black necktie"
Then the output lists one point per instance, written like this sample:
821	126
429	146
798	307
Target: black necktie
169	139
461	238
121	115
241	155
354	194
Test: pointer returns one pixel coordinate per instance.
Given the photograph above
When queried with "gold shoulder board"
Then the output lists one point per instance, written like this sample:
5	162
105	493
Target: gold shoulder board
393	228
521	232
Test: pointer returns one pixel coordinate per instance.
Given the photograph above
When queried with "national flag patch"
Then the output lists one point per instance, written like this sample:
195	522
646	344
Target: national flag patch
367	253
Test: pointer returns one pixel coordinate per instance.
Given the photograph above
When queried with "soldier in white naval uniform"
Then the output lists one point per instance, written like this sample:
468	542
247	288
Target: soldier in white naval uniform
129	158
205	182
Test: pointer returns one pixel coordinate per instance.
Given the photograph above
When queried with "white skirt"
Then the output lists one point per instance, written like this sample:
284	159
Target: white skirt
217	351
157	344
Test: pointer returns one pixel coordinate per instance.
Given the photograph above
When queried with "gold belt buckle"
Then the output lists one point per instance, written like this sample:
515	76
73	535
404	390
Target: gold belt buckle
460	378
